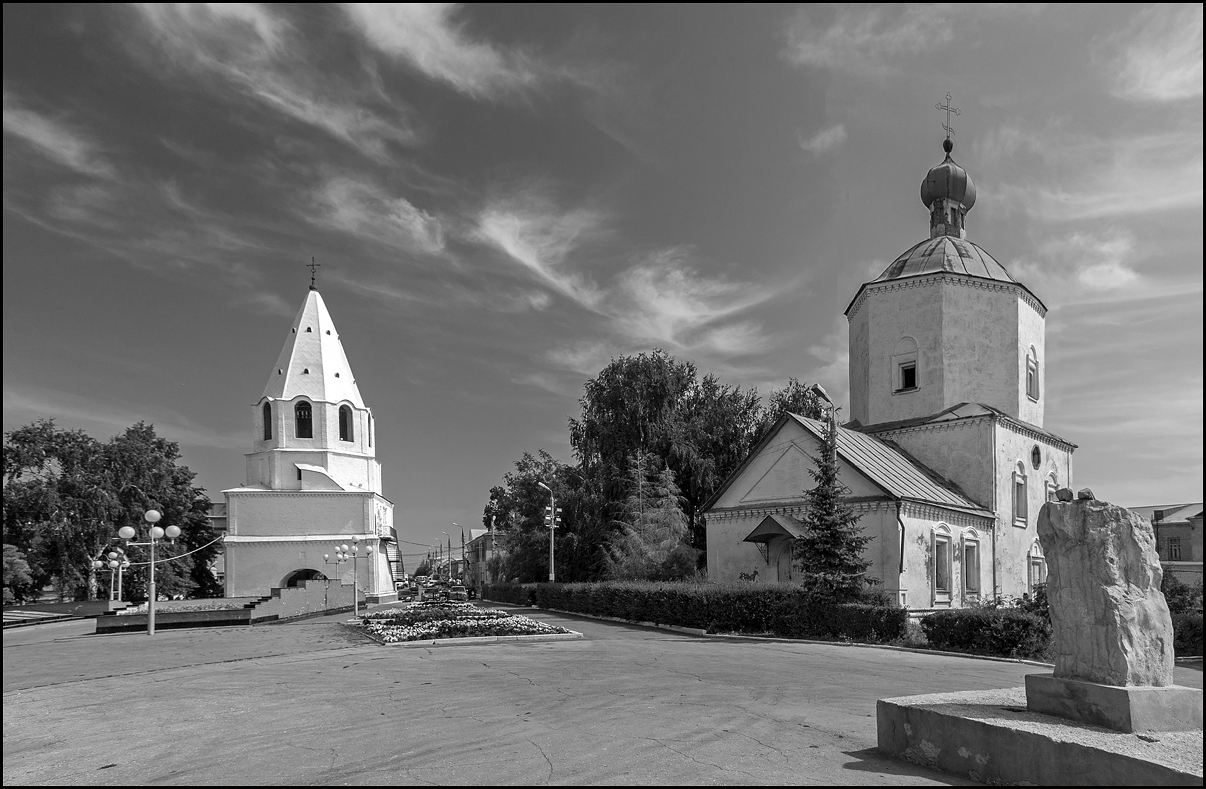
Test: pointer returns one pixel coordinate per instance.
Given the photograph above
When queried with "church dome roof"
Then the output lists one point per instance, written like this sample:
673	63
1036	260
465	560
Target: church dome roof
946	253
948	181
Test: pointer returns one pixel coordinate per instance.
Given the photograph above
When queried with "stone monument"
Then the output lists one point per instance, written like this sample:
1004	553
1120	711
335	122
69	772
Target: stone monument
1113	635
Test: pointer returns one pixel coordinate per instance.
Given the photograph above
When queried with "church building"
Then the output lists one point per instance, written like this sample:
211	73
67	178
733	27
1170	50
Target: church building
313	481
945	452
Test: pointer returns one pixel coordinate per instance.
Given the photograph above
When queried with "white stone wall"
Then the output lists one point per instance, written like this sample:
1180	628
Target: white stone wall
253	569
960	450
972	336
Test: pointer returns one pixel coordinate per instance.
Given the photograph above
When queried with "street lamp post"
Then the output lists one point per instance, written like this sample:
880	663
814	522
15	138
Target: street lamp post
127	533
117	563
342	554
552	522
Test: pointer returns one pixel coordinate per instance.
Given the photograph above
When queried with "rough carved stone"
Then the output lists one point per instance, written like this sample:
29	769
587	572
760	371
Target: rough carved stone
1085	493
1065	494
1110	621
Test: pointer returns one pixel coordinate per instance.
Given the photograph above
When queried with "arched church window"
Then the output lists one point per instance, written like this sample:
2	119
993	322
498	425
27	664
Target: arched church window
1052	486
971	562
267	411
1036	564
308	329
1032	374
305	420
370	430
345	423
904	366
1020	512
942	563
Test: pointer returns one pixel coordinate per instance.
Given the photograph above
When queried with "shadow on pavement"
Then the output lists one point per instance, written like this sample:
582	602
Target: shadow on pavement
870	760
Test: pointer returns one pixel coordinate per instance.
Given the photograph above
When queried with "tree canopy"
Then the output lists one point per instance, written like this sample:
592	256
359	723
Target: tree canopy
649	408
67	494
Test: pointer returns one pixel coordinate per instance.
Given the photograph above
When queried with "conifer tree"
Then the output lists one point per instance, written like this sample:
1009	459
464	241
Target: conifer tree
653	524
831	550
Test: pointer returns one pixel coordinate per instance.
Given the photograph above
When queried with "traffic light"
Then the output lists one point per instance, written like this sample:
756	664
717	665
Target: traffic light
550	520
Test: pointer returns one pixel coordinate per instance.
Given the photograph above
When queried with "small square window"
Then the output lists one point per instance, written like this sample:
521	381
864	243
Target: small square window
908	376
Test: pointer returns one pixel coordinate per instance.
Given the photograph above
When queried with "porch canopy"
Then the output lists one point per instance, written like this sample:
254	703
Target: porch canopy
773	527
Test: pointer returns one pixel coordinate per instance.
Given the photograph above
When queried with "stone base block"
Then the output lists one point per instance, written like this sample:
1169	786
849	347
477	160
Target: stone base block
384	597
1132	709
990	737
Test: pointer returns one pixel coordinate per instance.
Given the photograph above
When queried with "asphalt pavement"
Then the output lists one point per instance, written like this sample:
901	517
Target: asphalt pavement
312	702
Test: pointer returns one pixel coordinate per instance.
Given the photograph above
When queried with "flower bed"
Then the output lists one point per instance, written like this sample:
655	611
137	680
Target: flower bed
436	619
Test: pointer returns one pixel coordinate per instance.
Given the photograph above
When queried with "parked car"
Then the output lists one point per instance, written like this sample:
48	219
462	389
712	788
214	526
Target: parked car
458	594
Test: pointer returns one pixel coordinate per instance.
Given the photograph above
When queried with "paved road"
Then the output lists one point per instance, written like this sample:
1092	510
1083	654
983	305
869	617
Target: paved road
313	703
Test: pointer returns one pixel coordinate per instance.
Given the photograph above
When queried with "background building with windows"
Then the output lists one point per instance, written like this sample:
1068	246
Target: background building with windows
313	481
945	451
1178	531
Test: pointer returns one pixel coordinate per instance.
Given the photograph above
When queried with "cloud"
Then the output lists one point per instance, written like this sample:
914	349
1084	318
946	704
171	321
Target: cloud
866	40
252	50
54	140
1161	54
364	210
833	368
26	403
425	36
1077	176
538	236
664	300
825	140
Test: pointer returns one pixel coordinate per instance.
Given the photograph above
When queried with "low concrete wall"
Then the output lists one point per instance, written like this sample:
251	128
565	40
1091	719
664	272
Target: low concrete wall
76	608
172	620
311	597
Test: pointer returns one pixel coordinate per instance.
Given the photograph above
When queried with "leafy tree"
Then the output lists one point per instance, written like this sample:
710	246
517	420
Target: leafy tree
66	495
653	527
794	398
18	582
831	550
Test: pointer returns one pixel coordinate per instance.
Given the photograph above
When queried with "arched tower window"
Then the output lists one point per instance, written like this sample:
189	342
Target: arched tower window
267	411
345	423
1032	374
1021	514
305	420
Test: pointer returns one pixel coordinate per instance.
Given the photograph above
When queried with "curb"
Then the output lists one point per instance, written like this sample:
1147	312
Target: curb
48	621
695	631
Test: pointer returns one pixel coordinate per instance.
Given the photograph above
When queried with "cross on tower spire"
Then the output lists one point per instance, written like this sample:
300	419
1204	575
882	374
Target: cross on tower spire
313	272
949	110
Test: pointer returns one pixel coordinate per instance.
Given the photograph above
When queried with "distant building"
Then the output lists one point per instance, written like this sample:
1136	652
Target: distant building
313	481
478	552
945	452
1178	530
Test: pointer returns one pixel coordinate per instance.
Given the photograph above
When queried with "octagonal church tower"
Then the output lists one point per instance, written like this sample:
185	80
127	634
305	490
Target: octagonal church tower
947	362
313	480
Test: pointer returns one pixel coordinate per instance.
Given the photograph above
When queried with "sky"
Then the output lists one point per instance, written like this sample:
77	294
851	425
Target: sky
504	198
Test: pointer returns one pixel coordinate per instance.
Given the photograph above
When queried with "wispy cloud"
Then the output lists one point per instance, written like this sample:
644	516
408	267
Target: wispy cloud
54	139
1076	176
1159	55
26	403
535	234
250	48
427	37
825	140
364	210
865	40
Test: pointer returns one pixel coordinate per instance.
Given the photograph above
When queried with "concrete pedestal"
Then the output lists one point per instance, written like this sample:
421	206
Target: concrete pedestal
989	736
1126	709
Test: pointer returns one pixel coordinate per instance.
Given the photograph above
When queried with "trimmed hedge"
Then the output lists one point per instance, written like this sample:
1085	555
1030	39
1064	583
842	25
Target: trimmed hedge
1187	634
779	609
1008	632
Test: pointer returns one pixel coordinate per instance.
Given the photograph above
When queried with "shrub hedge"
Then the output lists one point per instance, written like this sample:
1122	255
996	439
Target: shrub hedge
1187	633
779	609
1008	632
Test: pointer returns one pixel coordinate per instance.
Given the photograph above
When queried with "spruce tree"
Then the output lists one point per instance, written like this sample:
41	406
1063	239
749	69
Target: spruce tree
831	550
653	524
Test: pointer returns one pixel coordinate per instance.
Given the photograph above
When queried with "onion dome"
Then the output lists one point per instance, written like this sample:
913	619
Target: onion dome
948	181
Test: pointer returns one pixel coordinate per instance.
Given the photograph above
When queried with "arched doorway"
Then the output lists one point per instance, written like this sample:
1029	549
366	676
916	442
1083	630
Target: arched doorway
296	577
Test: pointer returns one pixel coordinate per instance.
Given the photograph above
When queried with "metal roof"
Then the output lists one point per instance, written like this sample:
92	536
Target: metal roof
893	469
1169	513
